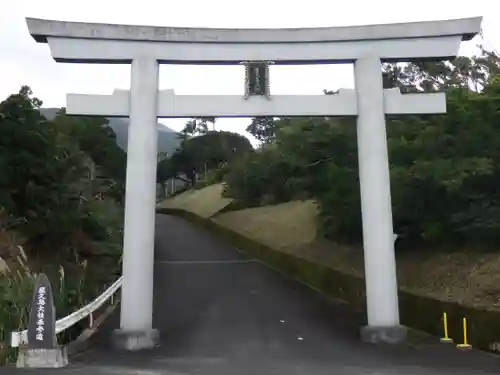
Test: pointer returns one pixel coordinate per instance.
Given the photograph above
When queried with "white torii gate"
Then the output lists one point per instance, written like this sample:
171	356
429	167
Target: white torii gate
145	47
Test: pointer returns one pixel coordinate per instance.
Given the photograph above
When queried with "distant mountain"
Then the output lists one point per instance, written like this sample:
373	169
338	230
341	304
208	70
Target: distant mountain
49	113
168	140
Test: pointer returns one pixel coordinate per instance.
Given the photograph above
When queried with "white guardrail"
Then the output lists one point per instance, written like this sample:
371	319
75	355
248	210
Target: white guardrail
20	338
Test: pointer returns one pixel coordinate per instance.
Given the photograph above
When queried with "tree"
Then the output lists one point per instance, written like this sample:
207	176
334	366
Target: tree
94	137
200	153
50	187
197	126
263	128
40	169
444	168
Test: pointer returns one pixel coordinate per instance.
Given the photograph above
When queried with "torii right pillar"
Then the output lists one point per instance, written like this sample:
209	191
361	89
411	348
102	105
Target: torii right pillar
375	187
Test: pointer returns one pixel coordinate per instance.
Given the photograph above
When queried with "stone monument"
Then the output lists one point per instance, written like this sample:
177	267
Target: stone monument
42	350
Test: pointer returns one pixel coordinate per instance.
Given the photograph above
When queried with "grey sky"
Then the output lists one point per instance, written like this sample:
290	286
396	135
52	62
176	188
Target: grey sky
22	61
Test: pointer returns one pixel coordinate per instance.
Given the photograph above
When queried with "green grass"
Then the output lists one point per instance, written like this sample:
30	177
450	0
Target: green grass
203	202
288	226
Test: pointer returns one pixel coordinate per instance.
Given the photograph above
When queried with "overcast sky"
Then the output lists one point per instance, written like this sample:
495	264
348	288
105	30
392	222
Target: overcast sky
23	61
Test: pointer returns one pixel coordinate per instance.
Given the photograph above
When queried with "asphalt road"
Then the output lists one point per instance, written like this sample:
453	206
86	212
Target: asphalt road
223	313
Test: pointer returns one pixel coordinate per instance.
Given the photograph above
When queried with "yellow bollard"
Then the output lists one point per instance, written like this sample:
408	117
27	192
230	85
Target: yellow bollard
465	345
446	339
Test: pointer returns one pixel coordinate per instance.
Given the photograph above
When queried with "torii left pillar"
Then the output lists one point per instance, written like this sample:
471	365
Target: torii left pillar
136	323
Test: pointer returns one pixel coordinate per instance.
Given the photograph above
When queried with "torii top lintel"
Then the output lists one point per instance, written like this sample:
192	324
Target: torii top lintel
108	43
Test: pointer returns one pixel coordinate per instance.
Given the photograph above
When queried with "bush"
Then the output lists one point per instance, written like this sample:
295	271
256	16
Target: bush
211	177
260	178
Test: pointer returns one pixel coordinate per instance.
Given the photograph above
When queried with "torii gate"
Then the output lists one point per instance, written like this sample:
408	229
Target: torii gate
145	47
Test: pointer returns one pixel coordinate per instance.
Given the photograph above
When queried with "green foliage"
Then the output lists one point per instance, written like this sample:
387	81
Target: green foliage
197	126
444	168
263	128
52	170
16	291
61	189
94	137
199	154
211	177
38	167
262	177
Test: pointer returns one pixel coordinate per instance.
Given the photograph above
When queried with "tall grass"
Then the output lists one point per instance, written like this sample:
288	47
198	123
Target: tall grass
74	281
16	291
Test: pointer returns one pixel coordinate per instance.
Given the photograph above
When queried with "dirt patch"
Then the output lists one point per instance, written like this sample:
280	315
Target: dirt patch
469	278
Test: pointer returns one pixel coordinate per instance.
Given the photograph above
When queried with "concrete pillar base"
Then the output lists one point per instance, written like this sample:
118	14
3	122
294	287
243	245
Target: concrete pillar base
384	335
42	358
135	340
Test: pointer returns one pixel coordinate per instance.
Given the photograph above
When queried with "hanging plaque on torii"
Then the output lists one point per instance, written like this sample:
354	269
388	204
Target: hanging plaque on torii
257	78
